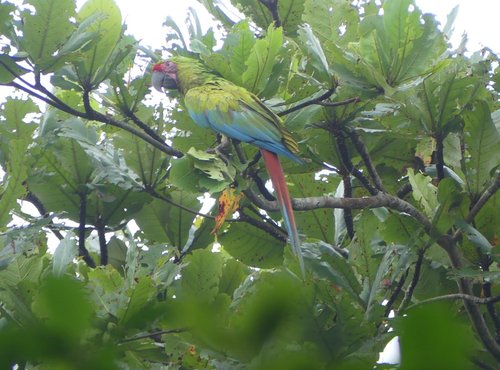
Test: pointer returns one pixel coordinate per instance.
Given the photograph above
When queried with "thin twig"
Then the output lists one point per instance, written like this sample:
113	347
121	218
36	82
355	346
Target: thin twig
320	98
488	192
414	281
395	293
265	226
365	156
338	103
454	296
148	130
153	334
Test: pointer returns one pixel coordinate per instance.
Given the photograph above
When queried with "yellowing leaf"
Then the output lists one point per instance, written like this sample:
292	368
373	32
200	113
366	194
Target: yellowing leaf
228	203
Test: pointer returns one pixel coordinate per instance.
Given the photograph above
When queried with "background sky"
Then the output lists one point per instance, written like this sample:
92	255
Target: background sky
478	18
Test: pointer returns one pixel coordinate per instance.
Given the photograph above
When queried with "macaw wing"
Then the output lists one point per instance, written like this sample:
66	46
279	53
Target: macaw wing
238	114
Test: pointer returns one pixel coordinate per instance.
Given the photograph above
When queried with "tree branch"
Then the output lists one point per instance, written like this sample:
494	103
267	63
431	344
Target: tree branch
265	226
365	156
349	224
414	281
464	285
148	130
376	201
466	297
395	293
90	114
153	334
272	6
102	241
487	194
82	251
439	156
320	98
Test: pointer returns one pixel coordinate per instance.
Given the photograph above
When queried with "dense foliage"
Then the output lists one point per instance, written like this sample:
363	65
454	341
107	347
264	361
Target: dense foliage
396	207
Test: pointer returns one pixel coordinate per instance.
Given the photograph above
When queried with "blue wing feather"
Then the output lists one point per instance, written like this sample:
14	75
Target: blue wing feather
243	123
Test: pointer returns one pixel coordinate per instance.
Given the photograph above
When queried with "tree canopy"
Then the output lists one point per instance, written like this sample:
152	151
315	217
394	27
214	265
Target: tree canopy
396	205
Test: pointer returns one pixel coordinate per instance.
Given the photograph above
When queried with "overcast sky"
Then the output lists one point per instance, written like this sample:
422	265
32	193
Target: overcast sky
478	18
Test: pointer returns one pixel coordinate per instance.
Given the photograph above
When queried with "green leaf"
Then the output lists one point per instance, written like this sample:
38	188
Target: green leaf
362	248
167	221
453	205
138	297
237	49
233	274
252	246
96	61
261	61
330	265
22	269
9	69
317	223
201	276
482	141
12	186
65	253
68	317
423	191
46	30
117	253
452	342
314	48
475	237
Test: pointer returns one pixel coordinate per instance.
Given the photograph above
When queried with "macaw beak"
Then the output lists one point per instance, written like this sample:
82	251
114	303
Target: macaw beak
161	81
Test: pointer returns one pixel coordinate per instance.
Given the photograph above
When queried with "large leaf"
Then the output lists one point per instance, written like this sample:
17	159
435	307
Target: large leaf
9	69
252	246
108	29
262	59
168	221
46	30
482	141
64	254
201	276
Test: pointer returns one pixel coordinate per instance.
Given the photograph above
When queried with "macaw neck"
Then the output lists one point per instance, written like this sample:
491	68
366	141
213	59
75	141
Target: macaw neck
192	75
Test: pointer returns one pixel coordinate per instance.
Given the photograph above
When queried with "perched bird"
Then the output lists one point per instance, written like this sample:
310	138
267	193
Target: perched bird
233	111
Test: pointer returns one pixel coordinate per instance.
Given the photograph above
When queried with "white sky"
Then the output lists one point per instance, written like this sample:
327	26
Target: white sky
478	18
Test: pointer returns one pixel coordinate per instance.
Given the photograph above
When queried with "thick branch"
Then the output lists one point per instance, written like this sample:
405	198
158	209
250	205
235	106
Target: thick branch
376	201
82	251
272	5
349	224
102	242
475	314
439	156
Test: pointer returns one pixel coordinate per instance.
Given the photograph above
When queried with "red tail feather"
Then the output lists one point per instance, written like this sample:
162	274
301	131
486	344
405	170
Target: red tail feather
277	176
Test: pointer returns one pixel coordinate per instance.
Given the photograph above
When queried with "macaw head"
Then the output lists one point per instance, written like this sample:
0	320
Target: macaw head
164	76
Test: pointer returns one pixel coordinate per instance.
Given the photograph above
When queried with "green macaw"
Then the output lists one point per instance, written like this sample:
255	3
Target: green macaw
226	108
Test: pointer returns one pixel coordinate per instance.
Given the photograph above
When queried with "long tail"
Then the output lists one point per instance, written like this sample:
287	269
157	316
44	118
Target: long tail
277	176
